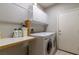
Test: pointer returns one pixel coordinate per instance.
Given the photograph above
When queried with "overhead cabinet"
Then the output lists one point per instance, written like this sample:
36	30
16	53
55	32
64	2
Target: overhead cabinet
39	15
18	13
28	7
12	13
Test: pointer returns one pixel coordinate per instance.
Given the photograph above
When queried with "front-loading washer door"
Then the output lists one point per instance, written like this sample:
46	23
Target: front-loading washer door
49	46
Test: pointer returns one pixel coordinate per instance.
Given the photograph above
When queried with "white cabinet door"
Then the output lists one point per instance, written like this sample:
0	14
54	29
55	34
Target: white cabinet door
28	7
12	13
39	15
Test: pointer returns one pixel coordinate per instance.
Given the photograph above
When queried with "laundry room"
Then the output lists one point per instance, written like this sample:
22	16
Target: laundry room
58	24
39	28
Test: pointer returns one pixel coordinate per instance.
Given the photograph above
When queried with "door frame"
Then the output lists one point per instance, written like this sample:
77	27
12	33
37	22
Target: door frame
66	12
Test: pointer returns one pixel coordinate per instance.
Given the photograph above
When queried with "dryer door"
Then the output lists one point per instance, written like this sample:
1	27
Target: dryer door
49	46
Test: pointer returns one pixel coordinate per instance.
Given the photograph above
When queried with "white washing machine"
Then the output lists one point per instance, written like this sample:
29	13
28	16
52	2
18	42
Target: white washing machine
44	44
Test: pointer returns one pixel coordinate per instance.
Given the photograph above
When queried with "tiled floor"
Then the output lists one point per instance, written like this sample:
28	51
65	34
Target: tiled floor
62	53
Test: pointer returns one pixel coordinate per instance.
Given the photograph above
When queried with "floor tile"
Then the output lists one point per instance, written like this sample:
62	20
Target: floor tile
59	52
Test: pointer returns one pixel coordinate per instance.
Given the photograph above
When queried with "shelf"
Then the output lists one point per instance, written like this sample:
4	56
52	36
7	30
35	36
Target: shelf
7	42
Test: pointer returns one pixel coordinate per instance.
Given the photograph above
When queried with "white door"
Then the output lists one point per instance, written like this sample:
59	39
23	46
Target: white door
69	32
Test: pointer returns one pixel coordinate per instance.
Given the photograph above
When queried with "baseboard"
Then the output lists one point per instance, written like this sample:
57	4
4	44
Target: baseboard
68	52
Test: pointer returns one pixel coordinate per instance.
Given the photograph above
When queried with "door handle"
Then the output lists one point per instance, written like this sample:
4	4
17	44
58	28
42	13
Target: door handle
59	32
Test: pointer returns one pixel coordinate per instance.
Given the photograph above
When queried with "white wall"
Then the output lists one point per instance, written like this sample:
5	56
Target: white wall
6	29
54	11
38	27
10	17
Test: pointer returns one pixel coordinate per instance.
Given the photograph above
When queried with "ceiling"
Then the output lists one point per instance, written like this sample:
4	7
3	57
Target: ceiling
46	5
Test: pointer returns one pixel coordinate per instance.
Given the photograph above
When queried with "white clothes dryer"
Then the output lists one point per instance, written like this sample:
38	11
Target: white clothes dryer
44	44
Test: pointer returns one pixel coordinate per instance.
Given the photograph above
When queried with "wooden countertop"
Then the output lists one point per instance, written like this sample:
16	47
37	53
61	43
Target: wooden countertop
7	42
